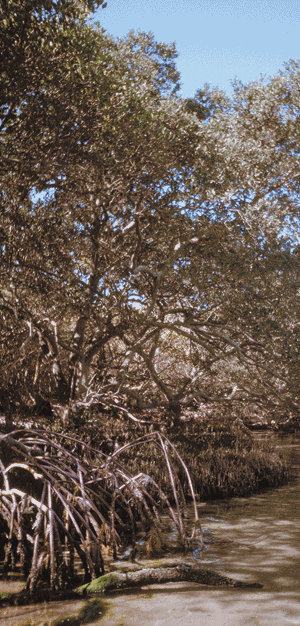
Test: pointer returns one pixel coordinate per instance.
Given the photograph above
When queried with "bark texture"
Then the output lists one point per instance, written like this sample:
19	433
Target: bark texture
150	576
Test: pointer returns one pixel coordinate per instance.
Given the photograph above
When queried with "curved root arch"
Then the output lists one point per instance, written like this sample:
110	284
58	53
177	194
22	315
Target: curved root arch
61	501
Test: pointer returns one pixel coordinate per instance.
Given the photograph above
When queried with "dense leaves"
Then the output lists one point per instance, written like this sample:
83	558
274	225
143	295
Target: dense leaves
147	243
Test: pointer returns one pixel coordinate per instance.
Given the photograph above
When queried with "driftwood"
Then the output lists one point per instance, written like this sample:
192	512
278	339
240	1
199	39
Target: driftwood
158	575
125	580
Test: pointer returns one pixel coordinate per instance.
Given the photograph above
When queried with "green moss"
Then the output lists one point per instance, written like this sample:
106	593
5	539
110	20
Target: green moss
4	597
98	585
90	612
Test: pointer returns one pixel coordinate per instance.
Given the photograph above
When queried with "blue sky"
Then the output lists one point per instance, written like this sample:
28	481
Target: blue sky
217	40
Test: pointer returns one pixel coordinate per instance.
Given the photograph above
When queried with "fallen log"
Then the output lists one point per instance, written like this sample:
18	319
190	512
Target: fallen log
160	575
125	580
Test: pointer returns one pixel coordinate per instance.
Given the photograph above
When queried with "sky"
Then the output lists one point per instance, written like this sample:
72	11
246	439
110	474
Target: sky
217	40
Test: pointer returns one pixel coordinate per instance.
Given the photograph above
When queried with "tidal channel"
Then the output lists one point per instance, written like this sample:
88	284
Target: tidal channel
255	539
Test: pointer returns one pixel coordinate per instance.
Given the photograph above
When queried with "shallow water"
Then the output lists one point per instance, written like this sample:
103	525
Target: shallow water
256	539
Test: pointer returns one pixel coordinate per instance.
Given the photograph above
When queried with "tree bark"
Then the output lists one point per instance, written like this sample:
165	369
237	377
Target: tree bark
119	580
159	575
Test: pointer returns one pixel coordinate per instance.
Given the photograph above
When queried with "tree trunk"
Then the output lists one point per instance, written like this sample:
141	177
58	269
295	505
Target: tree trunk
159	575
175	412
120	580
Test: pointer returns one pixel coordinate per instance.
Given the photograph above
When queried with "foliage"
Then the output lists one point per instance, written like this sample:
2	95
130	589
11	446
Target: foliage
147	243
148	262
223	457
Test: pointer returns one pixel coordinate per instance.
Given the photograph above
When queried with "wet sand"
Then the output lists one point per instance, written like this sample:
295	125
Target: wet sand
181	604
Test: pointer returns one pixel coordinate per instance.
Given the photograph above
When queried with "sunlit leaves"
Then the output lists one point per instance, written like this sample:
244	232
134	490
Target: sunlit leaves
135	223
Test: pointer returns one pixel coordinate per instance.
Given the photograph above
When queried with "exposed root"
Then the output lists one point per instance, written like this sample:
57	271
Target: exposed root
62	502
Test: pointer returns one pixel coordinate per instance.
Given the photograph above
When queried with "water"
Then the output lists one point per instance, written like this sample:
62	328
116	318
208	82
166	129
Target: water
256	539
